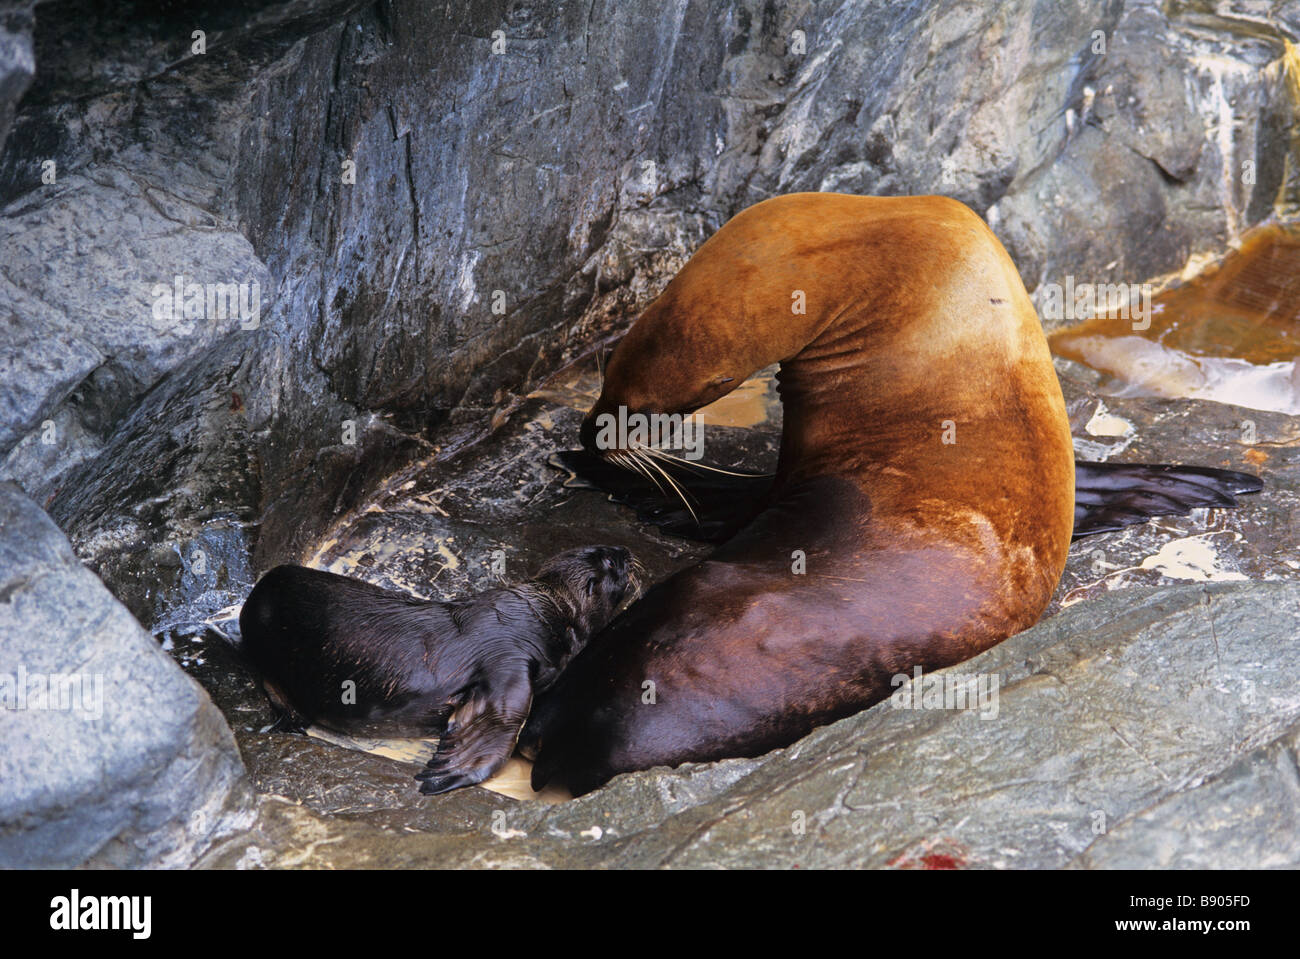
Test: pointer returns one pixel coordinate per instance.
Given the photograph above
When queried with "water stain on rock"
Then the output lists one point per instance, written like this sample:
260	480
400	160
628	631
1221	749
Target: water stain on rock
1230	334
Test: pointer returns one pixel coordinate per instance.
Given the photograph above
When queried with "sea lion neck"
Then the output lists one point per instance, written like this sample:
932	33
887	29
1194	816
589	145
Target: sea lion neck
554	607
838	420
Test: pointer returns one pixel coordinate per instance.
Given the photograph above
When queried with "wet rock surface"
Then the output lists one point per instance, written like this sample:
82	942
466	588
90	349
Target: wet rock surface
1115	721
442	536
434	228
1258	541
111	755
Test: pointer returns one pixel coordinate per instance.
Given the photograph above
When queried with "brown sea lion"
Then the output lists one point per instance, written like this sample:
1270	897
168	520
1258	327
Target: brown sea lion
923	502
368	661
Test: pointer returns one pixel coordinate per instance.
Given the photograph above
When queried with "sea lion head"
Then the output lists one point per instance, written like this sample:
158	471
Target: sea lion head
589	583
675	359
655	378
725	316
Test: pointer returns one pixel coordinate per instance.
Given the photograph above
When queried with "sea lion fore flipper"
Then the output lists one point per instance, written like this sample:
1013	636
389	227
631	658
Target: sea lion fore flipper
287	719
485	729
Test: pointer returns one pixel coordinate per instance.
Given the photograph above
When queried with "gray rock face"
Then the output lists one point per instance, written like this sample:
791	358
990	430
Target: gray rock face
112	302
109	754
439	216
17	64
1246	817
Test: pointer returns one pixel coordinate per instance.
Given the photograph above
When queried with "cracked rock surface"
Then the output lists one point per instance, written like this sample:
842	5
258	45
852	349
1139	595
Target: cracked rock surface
112	755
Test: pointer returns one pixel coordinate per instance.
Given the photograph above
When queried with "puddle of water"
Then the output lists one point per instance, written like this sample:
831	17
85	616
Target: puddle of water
751	404
1206	557
1193	558
1230	334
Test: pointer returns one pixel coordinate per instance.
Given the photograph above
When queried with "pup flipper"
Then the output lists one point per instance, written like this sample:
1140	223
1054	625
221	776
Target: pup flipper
483	735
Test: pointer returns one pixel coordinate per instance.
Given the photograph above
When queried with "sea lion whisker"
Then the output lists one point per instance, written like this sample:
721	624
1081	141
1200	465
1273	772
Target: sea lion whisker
636	579
642	467
632	464
692	464
645	455
681	493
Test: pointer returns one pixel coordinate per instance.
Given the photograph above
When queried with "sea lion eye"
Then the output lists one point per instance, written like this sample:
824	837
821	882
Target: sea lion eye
719	380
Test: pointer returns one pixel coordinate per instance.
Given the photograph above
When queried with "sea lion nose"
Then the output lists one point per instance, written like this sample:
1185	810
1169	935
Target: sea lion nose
595	433
587	433
616	559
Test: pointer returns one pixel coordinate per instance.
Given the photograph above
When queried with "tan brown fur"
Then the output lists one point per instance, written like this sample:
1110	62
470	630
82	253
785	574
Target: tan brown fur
918	552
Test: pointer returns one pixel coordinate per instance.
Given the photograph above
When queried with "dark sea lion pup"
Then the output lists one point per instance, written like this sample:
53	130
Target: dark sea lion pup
364	660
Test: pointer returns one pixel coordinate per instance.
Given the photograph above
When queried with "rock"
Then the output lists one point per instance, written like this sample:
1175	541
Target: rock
135	766
1164	141
119	296
1246	817
1148	728
438	225
1256	541
17	64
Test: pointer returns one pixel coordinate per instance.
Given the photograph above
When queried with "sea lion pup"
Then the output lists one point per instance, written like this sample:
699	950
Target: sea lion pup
364	660
924	497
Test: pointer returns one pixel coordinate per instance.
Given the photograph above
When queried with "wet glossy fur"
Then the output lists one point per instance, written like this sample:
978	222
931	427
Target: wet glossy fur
917	551
368	661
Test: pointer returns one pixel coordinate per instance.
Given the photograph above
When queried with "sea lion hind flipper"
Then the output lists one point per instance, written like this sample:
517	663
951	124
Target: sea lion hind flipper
288	722
711	505
287	719
485	729
1111	496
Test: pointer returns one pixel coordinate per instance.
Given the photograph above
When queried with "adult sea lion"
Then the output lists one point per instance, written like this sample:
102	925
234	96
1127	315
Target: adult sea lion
923	502
364	660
